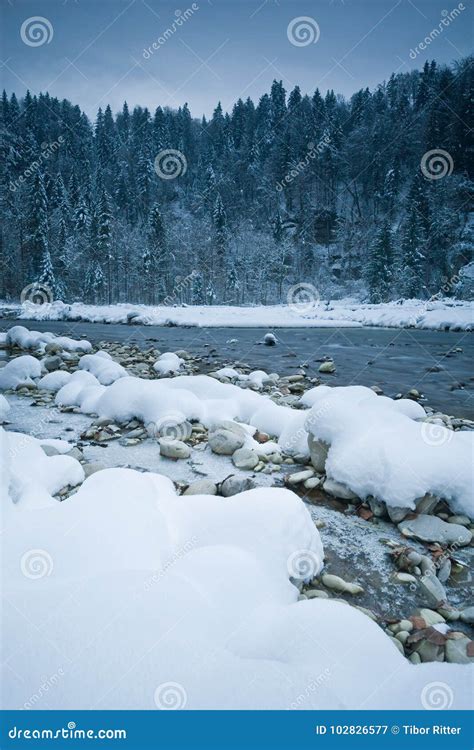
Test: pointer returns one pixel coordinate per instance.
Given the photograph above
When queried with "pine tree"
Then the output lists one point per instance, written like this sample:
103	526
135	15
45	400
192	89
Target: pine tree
220	225
38	229
380	266
46	276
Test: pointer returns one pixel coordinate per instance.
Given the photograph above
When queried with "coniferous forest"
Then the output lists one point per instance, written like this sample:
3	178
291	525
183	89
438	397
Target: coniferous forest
161	207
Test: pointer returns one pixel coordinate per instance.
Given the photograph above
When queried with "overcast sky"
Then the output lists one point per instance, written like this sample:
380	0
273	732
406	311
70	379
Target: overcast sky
94	51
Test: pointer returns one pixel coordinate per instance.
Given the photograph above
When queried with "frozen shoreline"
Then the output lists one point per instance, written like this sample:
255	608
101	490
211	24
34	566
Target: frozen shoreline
444	314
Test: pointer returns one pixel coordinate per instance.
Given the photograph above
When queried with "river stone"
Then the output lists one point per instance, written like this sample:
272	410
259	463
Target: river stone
92	468
312	483
201	487
318	451
52	363
432	589
397	514
336	489
426	504
433	529
300	476
467	615
456	650
377	507
431	617
245	458
225	442
75	453
338	584
397	643
461	520
327	367
316	594
428	651
53	348
174	431
233	485
174	448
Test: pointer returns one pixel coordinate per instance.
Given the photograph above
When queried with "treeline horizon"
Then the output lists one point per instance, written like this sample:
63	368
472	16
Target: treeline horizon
369	196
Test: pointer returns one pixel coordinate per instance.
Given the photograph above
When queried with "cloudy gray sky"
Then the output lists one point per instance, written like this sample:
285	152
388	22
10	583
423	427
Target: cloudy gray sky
94	52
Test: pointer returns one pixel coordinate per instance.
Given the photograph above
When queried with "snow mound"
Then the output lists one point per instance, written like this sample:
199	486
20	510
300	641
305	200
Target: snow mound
376	447
187	600
167	363
102	366
19	372
4	408
33	476
36	340
53	381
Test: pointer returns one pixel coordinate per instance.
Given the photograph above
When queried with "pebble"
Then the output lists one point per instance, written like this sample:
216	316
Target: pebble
233	485
338	490
397	643
461	520
402	636
201	487
225	442
312	483
467	615
431	617
338	584
327	367
316	594
455	649
174	448
433	529
318	451
414	658
405	578
300	476
50	450
432	589
92	468
245	458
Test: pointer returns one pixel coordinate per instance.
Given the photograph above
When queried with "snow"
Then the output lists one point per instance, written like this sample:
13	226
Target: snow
36	340
155	598
4	408
19	372
436	314
167	363
53	381
102	366
378	448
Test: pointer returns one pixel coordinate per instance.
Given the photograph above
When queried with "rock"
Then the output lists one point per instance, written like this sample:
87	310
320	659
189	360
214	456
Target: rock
467	615
92	468
233	485
269	339
431	617
201	487
404	625
414	658
428	651
174	448
338	584
377	507
52	363
456	650
175	430
327	367
318	451
336	489
461	520
75	453
53	348
432	589
225	442
405	578
245	458
402	636
449	613
445	570
300	476
50	450
426	504
397	514
317	594
433	529
312	483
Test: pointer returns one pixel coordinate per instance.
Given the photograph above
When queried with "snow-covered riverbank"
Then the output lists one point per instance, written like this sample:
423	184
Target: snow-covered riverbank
189	586
444	314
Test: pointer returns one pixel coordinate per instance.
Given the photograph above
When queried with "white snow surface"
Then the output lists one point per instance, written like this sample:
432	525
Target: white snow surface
20	371
36	340
4	408
376	447
142	600
102	366
436	314
167	363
